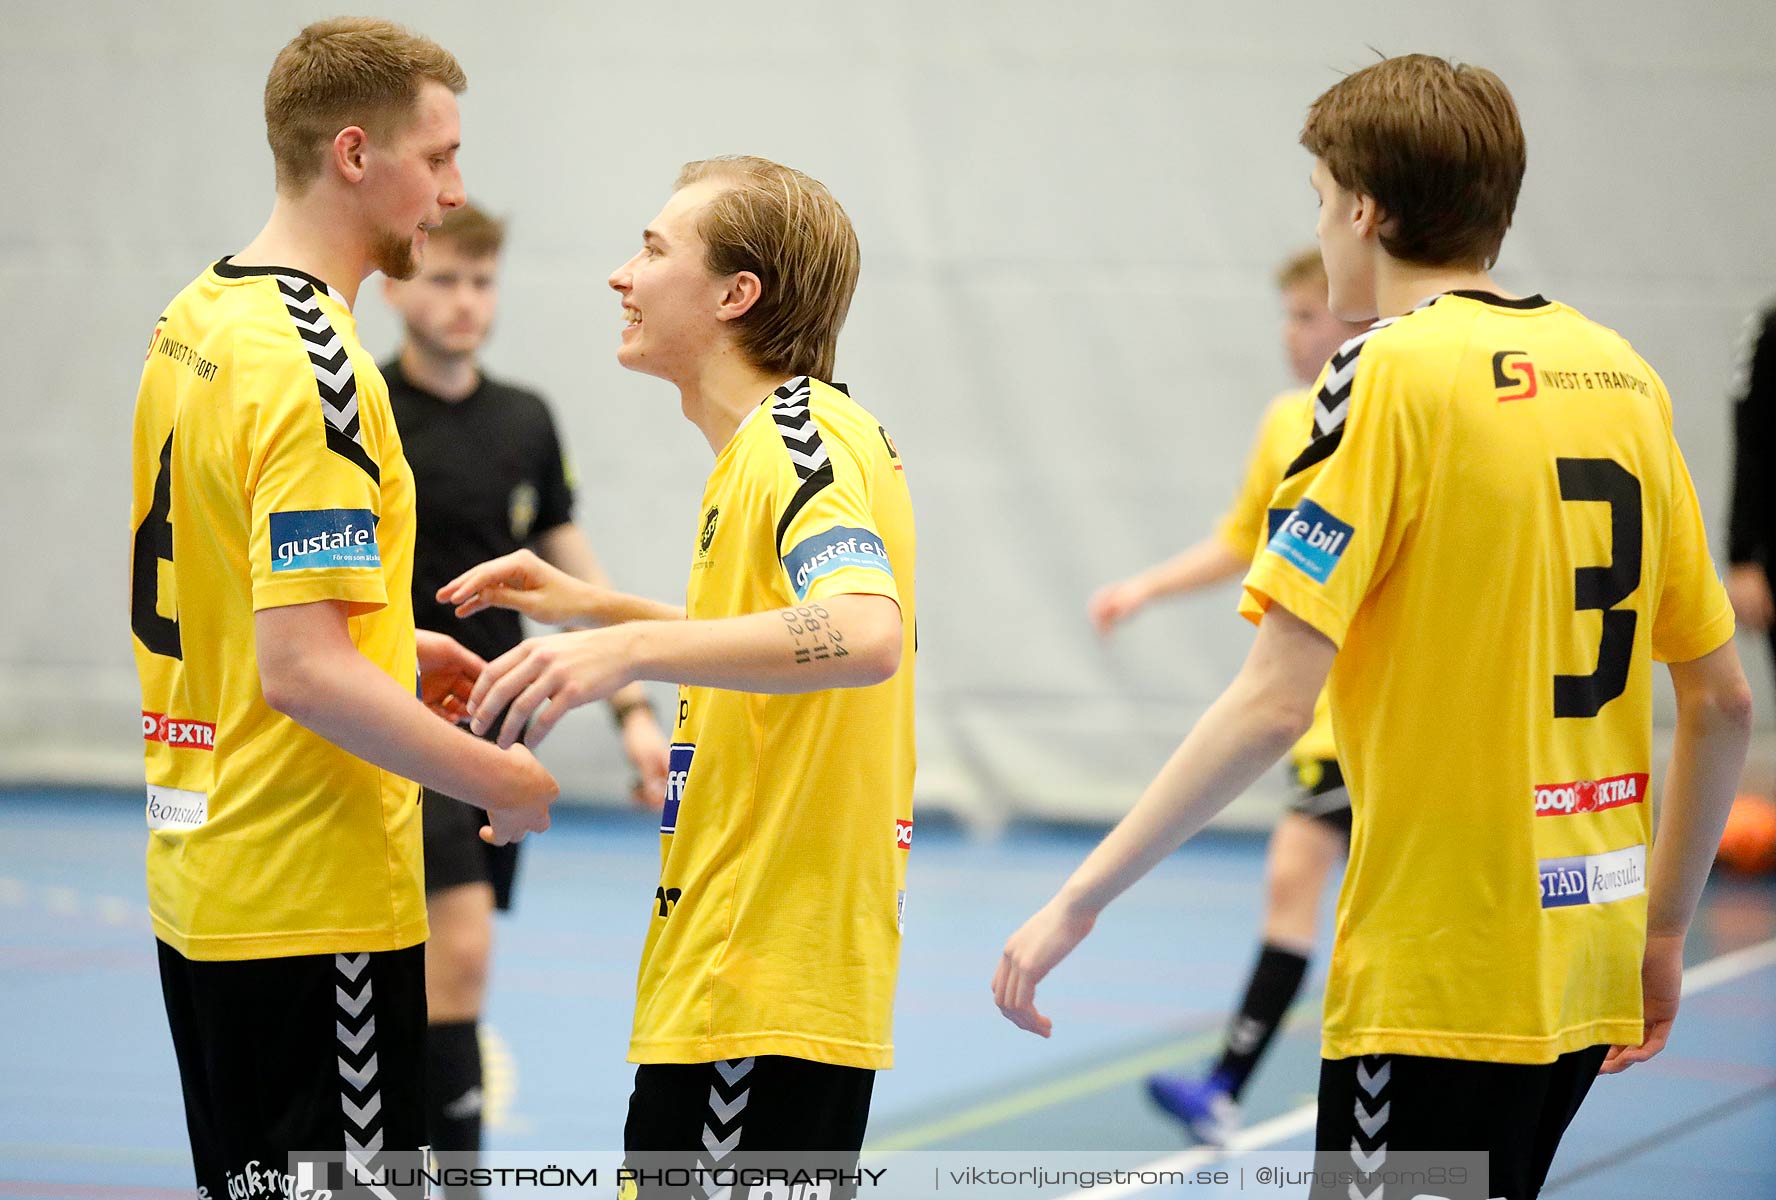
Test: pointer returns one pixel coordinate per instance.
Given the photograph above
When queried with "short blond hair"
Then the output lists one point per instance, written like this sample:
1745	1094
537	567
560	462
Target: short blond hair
1437	144
786	228
1302	267
474	232
342	72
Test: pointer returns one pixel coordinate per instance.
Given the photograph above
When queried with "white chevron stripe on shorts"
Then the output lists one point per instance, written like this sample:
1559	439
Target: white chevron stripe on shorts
354	993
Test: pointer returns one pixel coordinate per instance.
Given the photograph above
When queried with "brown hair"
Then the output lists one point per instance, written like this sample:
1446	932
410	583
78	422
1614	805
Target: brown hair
474	233
1437	145
345	71
1304	266
787	229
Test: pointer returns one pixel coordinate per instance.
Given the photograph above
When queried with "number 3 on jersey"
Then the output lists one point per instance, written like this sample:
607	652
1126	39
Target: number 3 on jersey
1603	479
154	543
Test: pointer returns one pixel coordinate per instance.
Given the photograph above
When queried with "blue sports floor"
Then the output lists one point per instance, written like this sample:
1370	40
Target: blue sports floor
89	1096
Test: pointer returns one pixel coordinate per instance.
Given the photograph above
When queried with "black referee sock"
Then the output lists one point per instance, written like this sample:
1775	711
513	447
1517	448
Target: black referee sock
1275	981
453	1095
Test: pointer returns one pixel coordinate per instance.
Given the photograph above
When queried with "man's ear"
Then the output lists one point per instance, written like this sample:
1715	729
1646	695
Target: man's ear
349	152
1369	219
743	291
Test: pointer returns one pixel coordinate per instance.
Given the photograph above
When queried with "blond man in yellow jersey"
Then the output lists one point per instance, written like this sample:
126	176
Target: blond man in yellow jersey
765	998
1491	538
273	519
1315	832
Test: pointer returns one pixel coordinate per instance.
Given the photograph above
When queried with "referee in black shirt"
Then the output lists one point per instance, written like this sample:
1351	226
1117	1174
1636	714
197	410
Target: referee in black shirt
490	478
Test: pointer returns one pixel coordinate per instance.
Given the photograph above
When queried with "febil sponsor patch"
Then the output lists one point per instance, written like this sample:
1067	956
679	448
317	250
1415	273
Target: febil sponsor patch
1593	878
678	773
1312	540
839	547
1589	795
324	538
171	731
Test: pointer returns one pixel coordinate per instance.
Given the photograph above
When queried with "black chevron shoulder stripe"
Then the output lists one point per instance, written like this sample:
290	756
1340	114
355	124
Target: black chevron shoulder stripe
335	382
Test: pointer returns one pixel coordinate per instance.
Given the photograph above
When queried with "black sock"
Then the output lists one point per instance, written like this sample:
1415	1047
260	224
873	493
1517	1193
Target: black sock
1275	980
453	1096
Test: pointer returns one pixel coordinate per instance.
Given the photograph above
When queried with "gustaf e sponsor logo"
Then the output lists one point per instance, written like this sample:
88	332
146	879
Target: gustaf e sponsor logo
324	537
839	547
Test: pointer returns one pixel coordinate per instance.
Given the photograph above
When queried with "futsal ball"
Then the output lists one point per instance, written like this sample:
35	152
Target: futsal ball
1749	843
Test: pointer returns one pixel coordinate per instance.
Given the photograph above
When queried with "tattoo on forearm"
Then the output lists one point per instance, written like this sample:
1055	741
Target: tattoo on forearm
815	637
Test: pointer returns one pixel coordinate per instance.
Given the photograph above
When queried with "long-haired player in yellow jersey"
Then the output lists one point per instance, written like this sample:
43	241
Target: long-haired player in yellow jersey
1315	832
1492	537
764	1005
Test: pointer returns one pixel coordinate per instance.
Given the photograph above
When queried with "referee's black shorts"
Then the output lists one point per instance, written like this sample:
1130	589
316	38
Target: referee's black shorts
455	853
317	1052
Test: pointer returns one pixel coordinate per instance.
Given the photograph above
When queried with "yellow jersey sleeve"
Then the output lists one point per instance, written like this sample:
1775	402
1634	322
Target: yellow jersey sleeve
828	542
1282	435
1349	496
1691	614
313	485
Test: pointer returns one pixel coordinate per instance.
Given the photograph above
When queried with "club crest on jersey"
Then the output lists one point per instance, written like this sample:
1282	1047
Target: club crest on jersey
707	537
1512	369
1593	878
324	537
678	773
1312	540
839	547
522	507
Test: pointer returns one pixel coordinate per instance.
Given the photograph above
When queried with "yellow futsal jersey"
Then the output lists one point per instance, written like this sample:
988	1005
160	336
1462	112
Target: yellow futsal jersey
1287	426
1496	526
788	819
267	472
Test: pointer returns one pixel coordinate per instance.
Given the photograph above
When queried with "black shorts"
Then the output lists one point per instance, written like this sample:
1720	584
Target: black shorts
1516	1113
455	853
704	1114
1322	794
317	1052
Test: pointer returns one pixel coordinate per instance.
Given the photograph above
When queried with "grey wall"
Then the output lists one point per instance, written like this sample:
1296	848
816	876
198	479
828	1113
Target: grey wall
1068	213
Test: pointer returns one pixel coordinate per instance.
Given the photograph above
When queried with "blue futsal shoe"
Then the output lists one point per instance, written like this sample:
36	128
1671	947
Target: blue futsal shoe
1205	1106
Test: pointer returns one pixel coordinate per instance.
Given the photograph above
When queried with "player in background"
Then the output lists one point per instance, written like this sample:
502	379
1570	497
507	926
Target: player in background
1315	831
273	551
491	477
765	999
1492	536
1751	527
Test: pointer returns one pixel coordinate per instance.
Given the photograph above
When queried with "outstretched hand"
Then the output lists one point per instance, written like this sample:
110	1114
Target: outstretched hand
1030	954
563	670
522	582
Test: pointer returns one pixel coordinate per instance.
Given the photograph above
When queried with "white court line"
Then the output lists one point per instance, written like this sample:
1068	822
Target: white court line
1698	978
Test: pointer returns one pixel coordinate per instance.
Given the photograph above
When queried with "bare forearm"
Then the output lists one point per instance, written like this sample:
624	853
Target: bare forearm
1707	756
344	698
1235	742
847	641
1208	562
567	548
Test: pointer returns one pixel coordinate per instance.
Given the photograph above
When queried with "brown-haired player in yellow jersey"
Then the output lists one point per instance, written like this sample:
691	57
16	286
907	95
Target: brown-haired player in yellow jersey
1492	536
1315	831
764	1005
273	518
